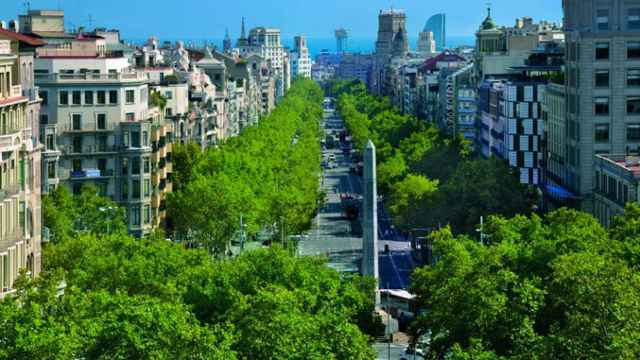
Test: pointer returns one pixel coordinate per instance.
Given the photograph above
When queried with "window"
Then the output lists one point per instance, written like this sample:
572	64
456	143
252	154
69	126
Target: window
633	18
77	144
76	97
601	106
51	170
102	121
130	116
77	165
602	19
113	97
135	193
77	121
88	97
64	98
125	189
168	95
602	78
135	216
633	50
602	51
50	142
44	119
147	187
130	96
145	138
169	112
147	214
125	139
125	166
147	167
602	133
135	139
102	143
44	95
633	132
102	166
135	166
102	97
633	105
633	77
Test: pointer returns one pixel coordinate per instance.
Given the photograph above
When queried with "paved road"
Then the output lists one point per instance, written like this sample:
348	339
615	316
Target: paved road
331	233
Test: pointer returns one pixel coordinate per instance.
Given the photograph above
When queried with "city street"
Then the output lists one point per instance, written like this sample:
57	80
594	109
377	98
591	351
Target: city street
331	234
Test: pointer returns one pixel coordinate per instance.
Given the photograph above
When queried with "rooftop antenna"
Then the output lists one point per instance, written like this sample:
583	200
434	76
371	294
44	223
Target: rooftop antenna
90	22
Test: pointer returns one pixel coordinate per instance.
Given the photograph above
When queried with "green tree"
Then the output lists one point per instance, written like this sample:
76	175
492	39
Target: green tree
411	200
66	215
482	188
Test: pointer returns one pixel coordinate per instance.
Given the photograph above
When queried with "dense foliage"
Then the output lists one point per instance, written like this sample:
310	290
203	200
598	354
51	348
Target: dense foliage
558	287
268	175
429	180
66	215
125	298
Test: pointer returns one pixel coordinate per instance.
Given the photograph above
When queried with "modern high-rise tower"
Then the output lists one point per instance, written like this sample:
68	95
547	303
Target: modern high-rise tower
392	34
437	25
341	41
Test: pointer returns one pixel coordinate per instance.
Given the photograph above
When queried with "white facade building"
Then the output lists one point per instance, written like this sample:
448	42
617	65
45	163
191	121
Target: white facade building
300	60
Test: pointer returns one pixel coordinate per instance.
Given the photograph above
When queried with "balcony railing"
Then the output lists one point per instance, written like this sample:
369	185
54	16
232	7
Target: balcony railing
9	191
90	127
89	150
91	77
90	173
16	90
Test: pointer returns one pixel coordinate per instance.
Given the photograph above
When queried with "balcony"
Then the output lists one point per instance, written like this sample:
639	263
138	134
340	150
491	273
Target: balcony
89	150
87	128
90	174
9	191
16	91
90	78
32	93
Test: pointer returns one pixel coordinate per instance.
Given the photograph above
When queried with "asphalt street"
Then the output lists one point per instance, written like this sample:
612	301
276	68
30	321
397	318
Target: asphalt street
331	233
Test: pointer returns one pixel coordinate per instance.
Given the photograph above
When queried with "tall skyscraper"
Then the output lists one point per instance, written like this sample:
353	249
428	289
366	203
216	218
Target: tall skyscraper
437	24
392	34
341	41
602	86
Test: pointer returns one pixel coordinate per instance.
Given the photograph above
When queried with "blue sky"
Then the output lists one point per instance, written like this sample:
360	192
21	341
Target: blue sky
201	19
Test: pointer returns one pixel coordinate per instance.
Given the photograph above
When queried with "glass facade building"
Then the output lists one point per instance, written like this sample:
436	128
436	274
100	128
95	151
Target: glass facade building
437	25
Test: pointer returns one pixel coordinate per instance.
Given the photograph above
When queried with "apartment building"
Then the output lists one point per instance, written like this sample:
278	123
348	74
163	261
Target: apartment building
99	129
457	102
300	59
20	217
616	182
602	86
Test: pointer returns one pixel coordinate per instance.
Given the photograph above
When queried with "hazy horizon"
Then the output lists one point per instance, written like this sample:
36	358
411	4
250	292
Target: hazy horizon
195	19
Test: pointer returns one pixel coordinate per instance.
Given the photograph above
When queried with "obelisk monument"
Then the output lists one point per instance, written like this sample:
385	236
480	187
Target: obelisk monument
370	217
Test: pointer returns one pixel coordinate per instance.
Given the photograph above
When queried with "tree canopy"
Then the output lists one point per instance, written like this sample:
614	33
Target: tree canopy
268	175
409	149
557	287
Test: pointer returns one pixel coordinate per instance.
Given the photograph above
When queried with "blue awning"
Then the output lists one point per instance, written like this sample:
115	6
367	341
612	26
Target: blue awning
560	192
